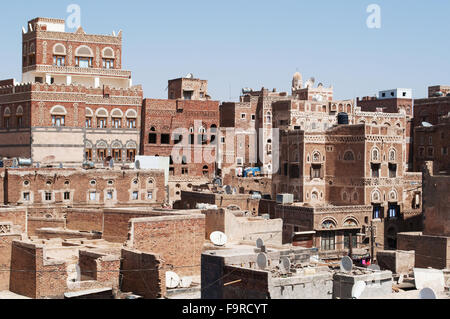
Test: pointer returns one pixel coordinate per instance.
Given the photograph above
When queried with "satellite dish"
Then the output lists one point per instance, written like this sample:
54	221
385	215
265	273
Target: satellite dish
261	260
218	238
426	124
427	293
137	165
285	265
346	264
186	282
172	280
189	76
259	243
228	190
358	289
374	267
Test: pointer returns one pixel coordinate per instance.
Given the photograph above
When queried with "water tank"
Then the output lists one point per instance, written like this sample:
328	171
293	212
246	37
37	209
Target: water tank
285	198
25	161
342	118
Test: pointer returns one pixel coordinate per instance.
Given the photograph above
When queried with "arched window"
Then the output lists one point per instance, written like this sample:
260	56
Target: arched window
58	114
116	116
108	58
19	116
344	196
59	55
84	57
316	157
205	170
375	154
131	147
102	151
213	130
328	224
350	222
89	116
6	116
102	116
131	116
314	196
392	155
116	148
393	196
349	156
88	151
152	139
376	196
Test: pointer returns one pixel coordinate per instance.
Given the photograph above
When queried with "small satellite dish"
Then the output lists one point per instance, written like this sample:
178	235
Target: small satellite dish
261	260
172	280
186	282
374	267
346	264
427	293
189	76
426	124
358	289
285	265
228	190
218	238
137	165
259	243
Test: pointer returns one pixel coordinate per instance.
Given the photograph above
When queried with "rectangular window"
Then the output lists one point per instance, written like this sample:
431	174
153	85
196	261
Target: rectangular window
347	239
184	171
59	60
117	123
430	152
376	212
101	155
375	168
48	196
135	196
131	155
101	122
66	195
131	123
191	139
89	155
6	122
83	62
109	195
108	63
152	138
393	210
58	120
328	240
253	117
26	197
392	170
444	151
316	171
92	196
19	121
117	155
165	138
88	122
149	195
243	116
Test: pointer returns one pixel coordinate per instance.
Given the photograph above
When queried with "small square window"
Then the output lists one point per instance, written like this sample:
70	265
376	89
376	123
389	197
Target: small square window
243	116
48	196
109	195
150	195
26	197
135	196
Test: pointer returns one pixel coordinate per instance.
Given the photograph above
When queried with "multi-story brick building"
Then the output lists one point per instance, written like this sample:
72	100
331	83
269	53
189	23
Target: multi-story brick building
186	130
432	144
75	104
391	103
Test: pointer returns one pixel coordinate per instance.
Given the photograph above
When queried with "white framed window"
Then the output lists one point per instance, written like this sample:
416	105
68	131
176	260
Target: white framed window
92	196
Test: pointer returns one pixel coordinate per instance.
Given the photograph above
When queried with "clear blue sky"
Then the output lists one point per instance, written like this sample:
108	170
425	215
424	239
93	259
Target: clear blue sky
236	44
